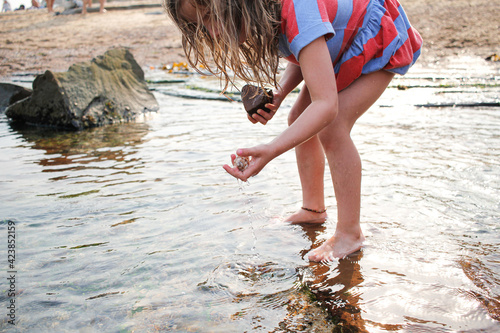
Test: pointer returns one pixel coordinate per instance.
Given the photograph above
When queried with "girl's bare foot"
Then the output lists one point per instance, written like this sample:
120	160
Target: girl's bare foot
337	247
304	216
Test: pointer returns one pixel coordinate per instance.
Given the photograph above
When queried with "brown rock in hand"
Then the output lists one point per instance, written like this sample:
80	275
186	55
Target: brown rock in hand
255	98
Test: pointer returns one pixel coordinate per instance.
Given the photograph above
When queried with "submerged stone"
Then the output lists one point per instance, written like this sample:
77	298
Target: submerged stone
106	90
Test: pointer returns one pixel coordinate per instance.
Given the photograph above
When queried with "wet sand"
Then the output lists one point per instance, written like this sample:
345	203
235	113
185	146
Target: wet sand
34	41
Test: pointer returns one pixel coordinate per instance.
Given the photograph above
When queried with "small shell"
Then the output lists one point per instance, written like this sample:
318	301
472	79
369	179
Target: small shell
241	163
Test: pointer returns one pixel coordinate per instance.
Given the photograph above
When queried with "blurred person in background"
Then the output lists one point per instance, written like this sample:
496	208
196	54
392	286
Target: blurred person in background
6	6
89	3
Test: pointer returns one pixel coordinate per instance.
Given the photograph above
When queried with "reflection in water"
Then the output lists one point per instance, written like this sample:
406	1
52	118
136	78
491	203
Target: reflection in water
484	274
81	147
334	284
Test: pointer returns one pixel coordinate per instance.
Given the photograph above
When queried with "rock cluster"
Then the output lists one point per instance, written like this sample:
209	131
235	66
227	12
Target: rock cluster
109	89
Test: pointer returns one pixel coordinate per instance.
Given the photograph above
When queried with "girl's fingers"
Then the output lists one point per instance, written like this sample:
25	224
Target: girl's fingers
233	171
253	121
271	107
263	117
259	118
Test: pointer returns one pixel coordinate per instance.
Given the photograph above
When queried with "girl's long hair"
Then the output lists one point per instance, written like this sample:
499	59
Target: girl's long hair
256	60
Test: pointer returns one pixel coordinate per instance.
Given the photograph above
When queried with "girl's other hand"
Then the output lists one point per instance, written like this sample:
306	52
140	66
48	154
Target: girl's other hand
259	156
262	116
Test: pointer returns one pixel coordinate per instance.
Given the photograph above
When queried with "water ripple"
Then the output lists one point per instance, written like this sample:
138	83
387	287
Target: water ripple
137	226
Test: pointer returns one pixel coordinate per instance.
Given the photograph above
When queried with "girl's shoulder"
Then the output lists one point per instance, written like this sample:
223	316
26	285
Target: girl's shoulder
304	17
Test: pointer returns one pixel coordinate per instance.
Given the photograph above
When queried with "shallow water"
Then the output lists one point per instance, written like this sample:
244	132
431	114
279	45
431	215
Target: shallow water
137	227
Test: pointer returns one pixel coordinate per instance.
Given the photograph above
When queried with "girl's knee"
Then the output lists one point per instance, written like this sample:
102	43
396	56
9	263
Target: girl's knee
334	138
300	105
293	115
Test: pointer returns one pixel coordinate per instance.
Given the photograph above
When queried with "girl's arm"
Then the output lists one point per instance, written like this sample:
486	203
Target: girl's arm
317	71
319	76
290	79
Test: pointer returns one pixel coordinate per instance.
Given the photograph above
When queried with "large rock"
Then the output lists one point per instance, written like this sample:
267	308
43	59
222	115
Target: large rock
106	90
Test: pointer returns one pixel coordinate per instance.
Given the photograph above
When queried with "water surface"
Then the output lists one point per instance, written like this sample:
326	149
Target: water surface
136	227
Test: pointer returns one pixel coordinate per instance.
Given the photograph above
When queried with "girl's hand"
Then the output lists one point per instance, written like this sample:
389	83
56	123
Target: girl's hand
259	157
262	116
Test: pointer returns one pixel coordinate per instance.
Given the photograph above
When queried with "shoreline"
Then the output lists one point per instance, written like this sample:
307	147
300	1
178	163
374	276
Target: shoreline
35	41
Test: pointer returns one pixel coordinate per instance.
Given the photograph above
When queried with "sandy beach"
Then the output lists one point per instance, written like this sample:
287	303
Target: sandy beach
34	41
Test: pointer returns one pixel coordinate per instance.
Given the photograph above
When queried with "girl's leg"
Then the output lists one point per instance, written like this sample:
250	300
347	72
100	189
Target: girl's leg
50	6
345	164
84	8
311	165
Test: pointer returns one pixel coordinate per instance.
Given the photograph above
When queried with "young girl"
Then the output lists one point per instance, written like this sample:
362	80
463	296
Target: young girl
345	51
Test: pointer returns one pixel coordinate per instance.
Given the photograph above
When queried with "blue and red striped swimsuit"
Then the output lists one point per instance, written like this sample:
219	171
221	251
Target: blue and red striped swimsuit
363	36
